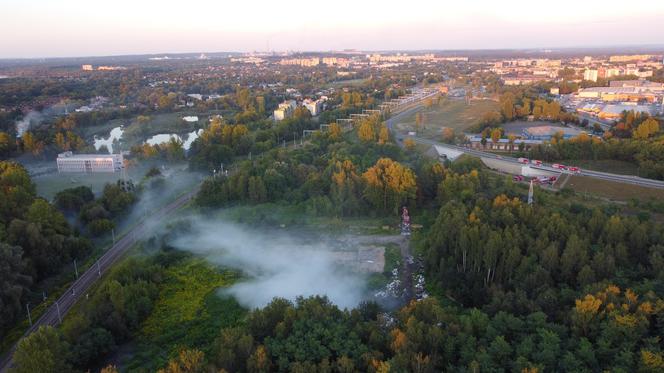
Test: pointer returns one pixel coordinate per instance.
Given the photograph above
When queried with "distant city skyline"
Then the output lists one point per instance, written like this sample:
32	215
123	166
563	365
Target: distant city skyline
71	28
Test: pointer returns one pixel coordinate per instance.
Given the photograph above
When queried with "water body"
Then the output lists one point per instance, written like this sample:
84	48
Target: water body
114	135
117	132
187	139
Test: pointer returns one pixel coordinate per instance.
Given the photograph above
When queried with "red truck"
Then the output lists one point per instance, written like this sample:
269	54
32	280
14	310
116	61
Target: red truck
576	170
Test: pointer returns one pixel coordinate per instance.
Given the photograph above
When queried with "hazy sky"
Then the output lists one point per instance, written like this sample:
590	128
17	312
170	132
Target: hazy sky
42	28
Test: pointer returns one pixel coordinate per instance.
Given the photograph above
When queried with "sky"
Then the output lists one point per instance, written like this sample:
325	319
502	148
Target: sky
67	28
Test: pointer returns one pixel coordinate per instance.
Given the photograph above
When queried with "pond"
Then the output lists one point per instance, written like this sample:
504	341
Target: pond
117	132
114	135
187	139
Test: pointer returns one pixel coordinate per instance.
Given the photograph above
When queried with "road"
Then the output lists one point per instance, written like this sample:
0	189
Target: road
57	311
626	179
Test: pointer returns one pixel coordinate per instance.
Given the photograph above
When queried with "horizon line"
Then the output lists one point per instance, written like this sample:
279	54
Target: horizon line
421	50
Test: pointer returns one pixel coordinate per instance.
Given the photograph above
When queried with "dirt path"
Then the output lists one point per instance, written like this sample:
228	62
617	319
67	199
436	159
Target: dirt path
407	260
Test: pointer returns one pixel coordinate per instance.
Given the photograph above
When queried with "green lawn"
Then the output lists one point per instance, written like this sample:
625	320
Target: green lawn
455	114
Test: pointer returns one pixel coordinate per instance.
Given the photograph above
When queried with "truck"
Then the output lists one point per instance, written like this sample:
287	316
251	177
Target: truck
559	166
576	170
536	162
523	160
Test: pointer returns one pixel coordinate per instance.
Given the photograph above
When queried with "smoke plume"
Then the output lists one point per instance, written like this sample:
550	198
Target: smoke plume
277	264
30	119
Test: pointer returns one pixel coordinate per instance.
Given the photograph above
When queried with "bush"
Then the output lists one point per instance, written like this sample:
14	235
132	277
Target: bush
100	226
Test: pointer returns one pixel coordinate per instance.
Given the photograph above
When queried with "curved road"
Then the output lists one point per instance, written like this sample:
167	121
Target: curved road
54	314
627	179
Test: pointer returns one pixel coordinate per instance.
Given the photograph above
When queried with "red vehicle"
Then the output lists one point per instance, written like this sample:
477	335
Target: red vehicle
576	170
559	166
517	178
536	162
553	179
523	160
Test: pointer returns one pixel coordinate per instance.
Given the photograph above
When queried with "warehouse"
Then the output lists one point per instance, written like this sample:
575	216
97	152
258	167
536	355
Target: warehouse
89	163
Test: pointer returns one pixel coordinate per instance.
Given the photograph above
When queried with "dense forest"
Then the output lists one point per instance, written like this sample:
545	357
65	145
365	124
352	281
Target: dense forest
35	240
562	285
557	286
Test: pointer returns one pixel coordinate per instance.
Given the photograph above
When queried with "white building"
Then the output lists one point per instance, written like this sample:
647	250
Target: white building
86	67
285	110
89	163
590	75
190	119
314	107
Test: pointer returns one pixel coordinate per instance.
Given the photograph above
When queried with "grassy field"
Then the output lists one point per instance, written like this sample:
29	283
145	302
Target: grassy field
612	190
455	114
288	215
606	165
187	314
346	83
50	184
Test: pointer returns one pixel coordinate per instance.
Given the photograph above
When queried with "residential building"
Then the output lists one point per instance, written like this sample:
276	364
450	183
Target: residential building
630	58
89	163
285	110
590	75
86	68
314	107
305	62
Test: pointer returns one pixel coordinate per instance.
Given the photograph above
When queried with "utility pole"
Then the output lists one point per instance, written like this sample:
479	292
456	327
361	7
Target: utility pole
98	269
113	233
76	269
27	307
59	315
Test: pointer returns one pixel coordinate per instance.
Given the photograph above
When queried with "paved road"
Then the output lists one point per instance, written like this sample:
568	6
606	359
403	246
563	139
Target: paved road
80	287
627	179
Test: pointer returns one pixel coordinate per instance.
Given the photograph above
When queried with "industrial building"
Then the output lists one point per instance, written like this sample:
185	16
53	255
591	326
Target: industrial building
89	163
546	133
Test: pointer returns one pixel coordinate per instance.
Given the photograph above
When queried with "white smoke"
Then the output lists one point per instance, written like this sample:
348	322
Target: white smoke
33	118
277	264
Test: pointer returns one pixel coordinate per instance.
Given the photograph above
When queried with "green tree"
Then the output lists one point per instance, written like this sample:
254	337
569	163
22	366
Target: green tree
42	351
